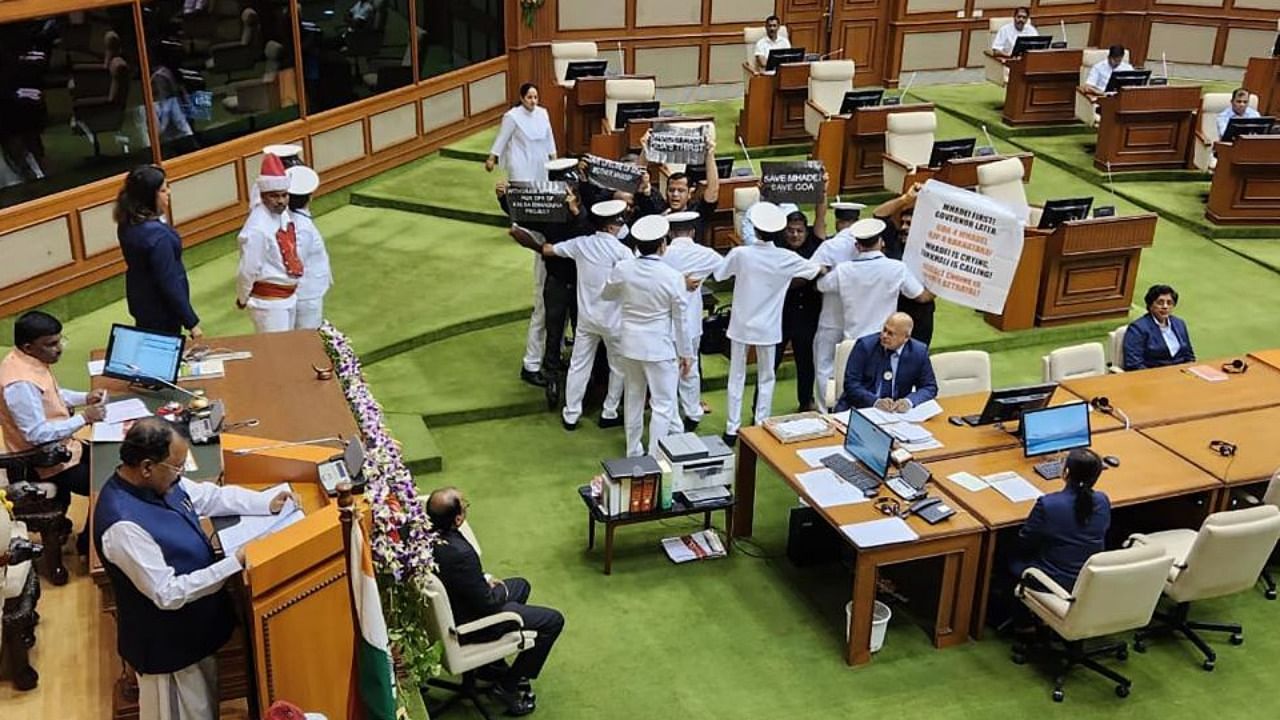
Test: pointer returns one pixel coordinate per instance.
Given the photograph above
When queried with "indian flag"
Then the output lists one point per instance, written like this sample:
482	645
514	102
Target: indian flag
375	681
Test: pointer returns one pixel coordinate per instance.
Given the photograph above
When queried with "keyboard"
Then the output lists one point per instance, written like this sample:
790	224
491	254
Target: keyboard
1051	470
903	489
852	473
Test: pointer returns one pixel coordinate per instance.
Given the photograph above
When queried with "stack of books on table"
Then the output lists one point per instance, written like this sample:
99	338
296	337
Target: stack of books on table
702	545
631	485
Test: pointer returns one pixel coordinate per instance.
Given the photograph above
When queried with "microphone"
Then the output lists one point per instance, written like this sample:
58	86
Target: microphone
1165	65
750	164
907	89
986	134
622	60
146	376
277	446
1111	182
1063	23
833	53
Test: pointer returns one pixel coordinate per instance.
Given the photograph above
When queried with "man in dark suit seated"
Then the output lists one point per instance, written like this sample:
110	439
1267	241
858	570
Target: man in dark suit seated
889	371
473	594
1158	338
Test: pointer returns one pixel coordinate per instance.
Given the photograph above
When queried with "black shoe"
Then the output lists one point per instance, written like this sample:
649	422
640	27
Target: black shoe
553	394
533	377
606	423
516	701
690	425
568	425
730	439
82	543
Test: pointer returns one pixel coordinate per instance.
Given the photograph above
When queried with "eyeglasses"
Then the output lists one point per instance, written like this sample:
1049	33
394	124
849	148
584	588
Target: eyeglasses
177	470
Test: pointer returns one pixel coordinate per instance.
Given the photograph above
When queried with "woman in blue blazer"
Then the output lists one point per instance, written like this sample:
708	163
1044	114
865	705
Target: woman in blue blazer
1158	338
155	280
1067	527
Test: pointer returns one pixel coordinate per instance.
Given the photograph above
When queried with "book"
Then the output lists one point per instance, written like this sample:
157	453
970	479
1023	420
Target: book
702	545
200	370
1207	373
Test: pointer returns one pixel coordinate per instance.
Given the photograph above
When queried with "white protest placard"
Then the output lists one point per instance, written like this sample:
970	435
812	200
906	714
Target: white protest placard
676	144
964	246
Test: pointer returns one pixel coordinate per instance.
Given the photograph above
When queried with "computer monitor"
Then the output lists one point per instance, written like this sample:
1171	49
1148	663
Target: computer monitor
1275	49
1054	429
1247	126
1007	404
579	69
868	443
944	150
634	111
782	56
1031	42
854	99
142	356
1128	78
698	173
1057	212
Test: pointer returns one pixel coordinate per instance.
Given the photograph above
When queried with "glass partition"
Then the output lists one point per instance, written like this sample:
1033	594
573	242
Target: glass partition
456	33
352	49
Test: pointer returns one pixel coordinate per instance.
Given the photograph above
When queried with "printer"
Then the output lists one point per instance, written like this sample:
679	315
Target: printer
694	462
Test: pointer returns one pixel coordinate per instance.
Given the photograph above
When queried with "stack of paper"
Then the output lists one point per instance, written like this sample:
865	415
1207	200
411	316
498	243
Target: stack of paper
122	410
968	481
799	428
917	414
827	489
1207	373
879	532
1013	486
251	527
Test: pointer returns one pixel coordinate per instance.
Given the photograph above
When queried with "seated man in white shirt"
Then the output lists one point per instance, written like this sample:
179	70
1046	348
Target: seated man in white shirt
1099	75
1008	35
771	41
1239	108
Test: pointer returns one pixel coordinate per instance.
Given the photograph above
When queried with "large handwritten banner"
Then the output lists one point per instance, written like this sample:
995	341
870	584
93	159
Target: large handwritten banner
964	246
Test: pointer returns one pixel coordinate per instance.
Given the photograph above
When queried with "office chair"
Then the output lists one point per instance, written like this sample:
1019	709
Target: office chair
835	386
1075	361
38	507
1116	591
908	142
1115	349
1270	497
1226	556
962	372
19	593
829	80
1003	181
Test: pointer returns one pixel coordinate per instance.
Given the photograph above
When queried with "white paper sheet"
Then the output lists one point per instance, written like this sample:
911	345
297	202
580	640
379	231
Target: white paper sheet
909	432
919	447
968	481
879	417
879	532
922	412
96	367
828	490
813	456
122	410
104	432
1013	486
252	527
803	426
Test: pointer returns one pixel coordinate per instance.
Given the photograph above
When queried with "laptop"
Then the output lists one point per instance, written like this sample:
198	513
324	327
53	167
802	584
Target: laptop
1054	430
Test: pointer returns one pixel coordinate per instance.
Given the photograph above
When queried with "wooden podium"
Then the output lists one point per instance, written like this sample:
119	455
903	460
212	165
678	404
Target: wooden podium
963	172
583	104
1246	182
773	109
1147	128
1082	270
851	147
1042	87
1262	78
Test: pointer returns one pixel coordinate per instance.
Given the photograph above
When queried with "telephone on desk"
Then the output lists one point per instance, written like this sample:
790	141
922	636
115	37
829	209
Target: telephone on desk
931	509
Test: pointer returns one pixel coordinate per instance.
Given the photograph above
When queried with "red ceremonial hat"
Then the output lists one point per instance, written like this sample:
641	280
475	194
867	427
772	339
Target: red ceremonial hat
283	710
272	178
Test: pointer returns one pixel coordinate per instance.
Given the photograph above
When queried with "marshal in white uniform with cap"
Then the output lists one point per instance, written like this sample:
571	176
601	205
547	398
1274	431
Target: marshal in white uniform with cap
270	257
869	285
317	277
652	343
599	320
838	248
764	271
698	262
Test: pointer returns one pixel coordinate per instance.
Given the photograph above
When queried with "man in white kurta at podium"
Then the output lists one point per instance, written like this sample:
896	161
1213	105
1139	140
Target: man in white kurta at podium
839	248
1095	85
869	284
772	40
270	258
317	278
696	263
763	273
1007	36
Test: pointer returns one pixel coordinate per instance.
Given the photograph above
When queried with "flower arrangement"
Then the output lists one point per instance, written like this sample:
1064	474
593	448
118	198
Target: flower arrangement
403	539
529	8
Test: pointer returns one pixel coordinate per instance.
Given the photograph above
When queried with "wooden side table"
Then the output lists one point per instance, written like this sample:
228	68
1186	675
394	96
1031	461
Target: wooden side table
678	509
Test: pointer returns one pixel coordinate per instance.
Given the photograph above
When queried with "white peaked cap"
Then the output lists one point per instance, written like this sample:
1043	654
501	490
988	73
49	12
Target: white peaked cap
609	208
650	228
767	217
302	180
867	228
561	164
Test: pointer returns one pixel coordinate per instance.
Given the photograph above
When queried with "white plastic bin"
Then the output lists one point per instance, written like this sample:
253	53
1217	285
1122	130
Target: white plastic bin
880	615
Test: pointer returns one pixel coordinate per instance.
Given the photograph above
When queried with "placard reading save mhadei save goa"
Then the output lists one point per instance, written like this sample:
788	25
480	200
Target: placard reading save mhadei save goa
540	202
792	182
613	175
964	246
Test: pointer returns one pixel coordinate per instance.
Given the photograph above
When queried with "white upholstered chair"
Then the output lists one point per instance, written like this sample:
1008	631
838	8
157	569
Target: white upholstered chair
1270	497
1076	361
461	660
1116	591
996	71
1207	132
751	36
1224	557
622	90
962	372
829	80
1086	111
1002	181
1115	349
19	590
743	199
835	386
908	142
563	53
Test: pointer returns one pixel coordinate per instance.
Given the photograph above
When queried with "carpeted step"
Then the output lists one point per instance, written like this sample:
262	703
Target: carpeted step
421	452
442	187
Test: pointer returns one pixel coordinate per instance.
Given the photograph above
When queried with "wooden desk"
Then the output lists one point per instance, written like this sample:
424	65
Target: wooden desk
957	540
584	111
963	172
961	440
613	144
1042	87
1254	434
1262	78
773	108
1161	396
1147	472
1270	357
851	147
1147	128
1246	182
1091	268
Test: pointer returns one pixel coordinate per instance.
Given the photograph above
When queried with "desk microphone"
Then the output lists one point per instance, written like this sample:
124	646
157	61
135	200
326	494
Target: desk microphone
1111	183
1165	64
743	145
622	60
833	53
990	143
278	446
1063	24
905	90
145	376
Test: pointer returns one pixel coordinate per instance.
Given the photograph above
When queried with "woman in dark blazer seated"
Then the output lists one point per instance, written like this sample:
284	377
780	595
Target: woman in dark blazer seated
1158	338
1067	527
155	280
